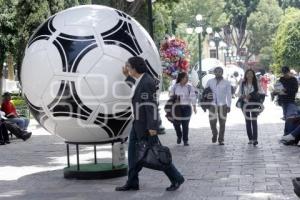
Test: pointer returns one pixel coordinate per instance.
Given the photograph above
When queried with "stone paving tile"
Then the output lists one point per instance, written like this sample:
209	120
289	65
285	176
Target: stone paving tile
33	170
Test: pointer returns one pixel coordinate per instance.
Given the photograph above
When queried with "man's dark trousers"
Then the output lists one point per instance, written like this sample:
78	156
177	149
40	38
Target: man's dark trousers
133	179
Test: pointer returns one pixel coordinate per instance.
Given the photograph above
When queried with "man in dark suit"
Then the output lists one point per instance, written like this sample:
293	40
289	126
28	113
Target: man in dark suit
145	122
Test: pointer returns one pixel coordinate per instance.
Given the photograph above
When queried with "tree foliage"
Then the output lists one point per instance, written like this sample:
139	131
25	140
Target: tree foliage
8	28
186	10
261	32
238	12
287	41
184	14
289	3
55	6
70	3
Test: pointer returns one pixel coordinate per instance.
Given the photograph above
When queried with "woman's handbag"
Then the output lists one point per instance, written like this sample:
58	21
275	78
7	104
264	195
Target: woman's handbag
151	154
172	109
239	103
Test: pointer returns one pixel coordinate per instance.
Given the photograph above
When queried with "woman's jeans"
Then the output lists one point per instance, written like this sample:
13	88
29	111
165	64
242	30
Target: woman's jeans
184	120
251	125
289	110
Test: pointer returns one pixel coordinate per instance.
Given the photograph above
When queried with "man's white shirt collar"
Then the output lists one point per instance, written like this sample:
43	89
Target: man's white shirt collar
137	80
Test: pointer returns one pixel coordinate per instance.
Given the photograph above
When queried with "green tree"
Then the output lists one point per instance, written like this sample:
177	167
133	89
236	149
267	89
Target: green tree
266	58
138	10
8	32
30	14
237	12
289	3
70	3
261	32
84	2
212	12
55	6
287	41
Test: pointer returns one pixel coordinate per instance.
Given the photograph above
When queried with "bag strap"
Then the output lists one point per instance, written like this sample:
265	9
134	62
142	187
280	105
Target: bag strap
243	91
189	88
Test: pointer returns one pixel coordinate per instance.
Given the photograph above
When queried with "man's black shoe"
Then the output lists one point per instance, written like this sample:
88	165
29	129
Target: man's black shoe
214	139
178	140
175	186
127	187
26	135
186	144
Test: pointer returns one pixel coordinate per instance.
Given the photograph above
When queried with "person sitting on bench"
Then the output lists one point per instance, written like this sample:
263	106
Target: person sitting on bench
4	139
12	128
11	113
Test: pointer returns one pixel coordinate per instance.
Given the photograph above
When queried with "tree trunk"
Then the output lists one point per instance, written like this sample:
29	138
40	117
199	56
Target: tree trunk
1	80
129	8
10	64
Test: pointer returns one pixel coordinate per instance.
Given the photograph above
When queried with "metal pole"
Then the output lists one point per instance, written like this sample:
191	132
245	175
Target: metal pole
95	154
217	46
77	155
150	17
200	57
68	155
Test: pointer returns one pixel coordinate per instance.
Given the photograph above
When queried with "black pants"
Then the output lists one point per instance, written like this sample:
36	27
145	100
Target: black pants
3	133
183	120
14	129
133	168
251	125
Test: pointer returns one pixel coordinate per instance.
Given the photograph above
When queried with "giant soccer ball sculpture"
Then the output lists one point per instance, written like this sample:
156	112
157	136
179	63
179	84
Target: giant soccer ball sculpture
72	75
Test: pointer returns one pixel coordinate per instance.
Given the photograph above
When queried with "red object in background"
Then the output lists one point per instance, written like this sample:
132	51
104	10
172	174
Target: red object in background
264	80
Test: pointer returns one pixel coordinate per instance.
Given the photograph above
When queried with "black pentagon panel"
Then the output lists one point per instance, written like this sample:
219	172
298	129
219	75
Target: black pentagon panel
72	49
43	32
114	124
37	112
123	36
68	104
122	14
151	71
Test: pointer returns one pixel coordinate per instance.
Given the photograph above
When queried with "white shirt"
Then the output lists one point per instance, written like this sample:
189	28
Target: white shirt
137	81
248	88
186	93
221	91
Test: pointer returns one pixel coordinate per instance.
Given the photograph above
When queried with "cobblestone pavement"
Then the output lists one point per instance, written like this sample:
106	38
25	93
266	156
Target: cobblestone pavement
34	169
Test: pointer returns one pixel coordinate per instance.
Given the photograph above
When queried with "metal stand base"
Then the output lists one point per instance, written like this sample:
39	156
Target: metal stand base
95	171
92	170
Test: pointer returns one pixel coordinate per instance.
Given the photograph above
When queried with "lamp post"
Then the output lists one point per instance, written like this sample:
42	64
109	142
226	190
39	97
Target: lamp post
199	29
217	39
228	55
150	16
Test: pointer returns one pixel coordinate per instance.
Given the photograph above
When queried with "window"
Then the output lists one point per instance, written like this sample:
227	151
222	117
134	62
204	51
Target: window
212	53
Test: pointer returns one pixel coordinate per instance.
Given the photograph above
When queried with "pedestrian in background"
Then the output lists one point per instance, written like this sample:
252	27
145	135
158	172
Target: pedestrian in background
186	101
248	93
221	95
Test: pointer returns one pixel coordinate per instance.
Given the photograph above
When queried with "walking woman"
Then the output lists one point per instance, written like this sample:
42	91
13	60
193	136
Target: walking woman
249	97
186	96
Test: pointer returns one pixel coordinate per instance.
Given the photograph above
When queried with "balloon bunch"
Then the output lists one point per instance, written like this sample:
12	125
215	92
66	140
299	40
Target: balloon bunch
175	56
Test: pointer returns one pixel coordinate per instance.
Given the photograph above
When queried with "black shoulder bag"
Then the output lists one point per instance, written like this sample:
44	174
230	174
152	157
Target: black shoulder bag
152	154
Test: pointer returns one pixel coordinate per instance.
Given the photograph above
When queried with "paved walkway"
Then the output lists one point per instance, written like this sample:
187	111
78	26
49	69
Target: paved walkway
32	170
